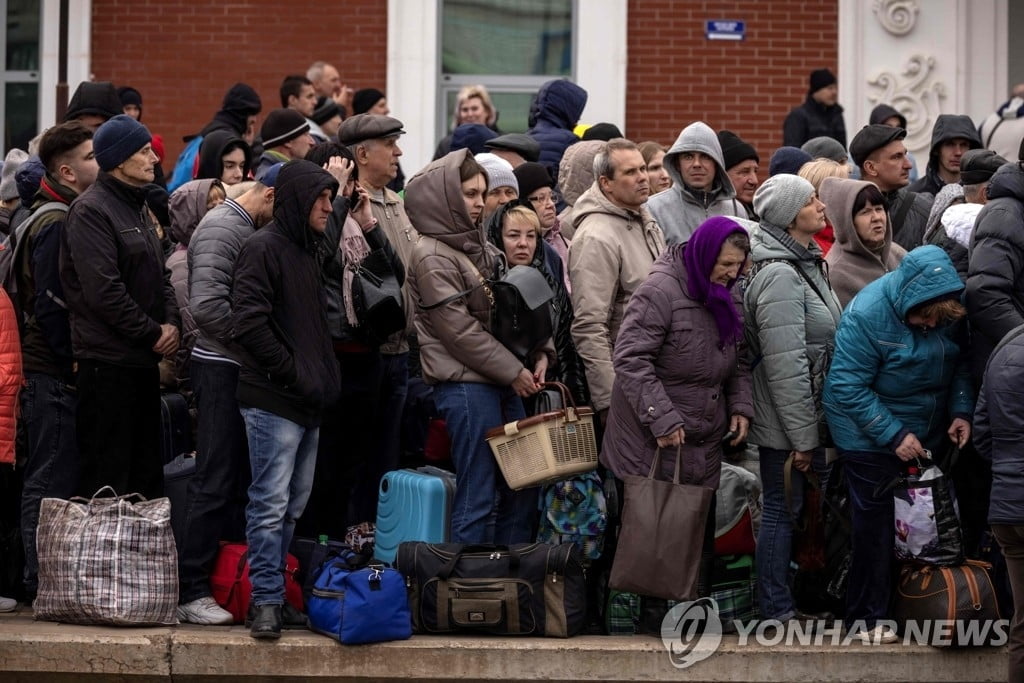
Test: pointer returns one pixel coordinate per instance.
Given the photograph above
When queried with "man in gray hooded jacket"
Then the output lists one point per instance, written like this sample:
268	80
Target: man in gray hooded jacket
700	186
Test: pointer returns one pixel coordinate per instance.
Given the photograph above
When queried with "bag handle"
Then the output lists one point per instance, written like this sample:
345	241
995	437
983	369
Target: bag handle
110	488
656	461
446	571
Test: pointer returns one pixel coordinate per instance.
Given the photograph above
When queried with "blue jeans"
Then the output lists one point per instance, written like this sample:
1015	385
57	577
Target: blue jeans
282	455
872	564
775	539
52	465
485	509
216	494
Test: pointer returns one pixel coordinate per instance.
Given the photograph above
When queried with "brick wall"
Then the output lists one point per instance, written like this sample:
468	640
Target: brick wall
677	76
183	55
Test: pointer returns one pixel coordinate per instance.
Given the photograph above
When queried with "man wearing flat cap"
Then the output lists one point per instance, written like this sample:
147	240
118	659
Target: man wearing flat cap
373	140
820	114
123	314
977	167
515	148
882	157
285	134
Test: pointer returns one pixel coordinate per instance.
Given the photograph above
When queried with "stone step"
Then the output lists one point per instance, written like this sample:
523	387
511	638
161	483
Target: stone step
44	651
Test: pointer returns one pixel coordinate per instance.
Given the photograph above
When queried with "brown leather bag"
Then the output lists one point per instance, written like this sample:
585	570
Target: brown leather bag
962	593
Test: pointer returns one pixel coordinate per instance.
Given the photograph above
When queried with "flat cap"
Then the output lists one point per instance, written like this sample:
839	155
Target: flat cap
363	127
872	137
520	143
978	166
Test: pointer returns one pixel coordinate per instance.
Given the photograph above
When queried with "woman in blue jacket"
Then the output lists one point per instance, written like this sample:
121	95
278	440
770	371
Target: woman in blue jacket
898	385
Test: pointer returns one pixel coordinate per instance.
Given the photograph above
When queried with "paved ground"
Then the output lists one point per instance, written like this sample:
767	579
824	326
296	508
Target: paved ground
42	651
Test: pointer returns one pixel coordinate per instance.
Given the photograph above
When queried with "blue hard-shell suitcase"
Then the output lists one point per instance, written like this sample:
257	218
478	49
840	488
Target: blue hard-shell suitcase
414	505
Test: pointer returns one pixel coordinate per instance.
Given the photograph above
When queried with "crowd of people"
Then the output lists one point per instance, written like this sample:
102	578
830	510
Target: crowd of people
692	305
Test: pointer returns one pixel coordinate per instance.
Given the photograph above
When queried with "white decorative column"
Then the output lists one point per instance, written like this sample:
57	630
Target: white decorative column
924	59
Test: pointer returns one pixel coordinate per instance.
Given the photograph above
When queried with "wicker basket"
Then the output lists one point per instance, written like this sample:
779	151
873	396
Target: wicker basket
546	448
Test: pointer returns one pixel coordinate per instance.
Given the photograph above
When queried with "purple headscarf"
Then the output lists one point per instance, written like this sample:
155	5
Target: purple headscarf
700	256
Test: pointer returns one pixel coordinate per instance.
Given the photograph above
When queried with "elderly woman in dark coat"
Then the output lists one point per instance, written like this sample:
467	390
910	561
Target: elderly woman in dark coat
681	373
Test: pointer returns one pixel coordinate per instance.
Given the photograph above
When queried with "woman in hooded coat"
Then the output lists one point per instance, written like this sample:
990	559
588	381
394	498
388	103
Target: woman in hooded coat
863	250
478	383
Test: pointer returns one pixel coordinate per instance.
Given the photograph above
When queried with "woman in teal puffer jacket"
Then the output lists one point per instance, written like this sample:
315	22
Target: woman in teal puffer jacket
899	384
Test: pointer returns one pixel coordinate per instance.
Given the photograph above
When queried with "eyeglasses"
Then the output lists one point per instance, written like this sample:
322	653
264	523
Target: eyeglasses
544	197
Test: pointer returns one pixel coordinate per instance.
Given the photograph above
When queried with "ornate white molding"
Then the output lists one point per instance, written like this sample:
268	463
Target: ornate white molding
897	16
917	97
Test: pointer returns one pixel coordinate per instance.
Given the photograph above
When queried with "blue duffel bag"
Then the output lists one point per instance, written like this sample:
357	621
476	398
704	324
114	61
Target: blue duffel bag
359	605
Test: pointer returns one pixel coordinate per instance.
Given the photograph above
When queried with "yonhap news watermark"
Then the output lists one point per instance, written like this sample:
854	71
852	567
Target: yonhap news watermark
693	631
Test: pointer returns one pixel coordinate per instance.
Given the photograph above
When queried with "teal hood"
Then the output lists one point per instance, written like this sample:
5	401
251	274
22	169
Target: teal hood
926	273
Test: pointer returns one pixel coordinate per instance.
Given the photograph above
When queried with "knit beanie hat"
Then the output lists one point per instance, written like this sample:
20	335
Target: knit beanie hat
821	78
117	140
282	125
734	150
788	160
499	171
781	197
827	148
326	109
129	95
602	131
472	136
366	98
12	162
28	177
532	176
242	99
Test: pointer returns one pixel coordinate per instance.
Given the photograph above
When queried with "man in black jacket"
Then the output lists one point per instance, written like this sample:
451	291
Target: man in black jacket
48	399
123	315
288	375
819	115
995	276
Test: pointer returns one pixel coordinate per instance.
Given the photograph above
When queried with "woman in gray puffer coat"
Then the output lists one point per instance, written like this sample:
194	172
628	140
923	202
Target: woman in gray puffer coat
791	315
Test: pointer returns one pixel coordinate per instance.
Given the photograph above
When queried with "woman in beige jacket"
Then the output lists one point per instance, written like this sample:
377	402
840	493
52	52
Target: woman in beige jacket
478	383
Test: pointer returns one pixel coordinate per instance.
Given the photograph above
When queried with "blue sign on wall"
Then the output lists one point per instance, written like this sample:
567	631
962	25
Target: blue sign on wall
725	29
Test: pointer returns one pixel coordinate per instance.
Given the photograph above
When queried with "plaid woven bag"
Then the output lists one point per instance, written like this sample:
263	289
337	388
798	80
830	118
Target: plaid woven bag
107	561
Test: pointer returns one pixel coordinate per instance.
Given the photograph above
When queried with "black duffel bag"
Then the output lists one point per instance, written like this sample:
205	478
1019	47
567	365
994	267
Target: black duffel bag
525	589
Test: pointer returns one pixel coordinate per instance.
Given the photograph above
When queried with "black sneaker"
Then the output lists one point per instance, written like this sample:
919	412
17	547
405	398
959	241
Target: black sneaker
266	622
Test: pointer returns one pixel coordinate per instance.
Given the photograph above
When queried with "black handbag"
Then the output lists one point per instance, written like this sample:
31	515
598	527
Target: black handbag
524	589
377	298
521	312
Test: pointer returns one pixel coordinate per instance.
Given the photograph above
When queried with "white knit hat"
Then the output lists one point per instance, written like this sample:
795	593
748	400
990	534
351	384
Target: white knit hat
781	197
499	171
9	188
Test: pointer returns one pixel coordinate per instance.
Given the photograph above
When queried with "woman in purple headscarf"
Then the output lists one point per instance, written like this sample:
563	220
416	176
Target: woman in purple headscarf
681	375
681	372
